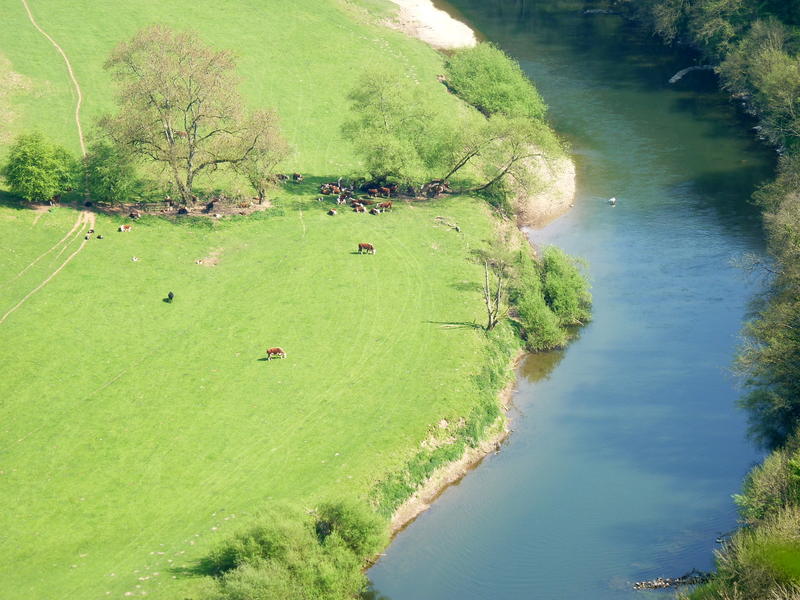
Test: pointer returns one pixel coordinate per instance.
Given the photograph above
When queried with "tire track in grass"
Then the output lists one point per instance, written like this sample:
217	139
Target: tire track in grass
69	70
41	256
86	218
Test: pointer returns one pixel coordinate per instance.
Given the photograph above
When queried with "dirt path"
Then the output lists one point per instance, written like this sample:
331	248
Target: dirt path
85	219
69	70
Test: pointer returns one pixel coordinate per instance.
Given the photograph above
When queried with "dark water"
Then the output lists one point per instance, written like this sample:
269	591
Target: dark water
628	446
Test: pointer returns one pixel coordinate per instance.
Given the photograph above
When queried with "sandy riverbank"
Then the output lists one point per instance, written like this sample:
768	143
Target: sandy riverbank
553	195
421	19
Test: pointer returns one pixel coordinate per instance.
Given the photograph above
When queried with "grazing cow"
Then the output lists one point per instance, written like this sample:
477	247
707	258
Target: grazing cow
170	297
297	177
125	228
275	353
332	212
364	248
385	192
385	205
372	192
282	177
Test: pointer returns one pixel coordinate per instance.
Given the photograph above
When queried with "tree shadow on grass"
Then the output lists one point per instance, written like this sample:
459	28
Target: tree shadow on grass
200	568
456	324
8	200
309	186
466	286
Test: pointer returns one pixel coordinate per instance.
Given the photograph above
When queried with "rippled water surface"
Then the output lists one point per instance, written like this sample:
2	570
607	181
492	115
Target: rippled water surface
626	447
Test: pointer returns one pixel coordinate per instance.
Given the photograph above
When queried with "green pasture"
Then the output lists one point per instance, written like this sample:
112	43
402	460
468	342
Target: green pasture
134	434
298	56
132	426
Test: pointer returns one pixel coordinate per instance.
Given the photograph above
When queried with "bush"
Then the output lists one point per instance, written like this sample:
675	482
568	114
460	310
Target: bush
769	487
566	290
284	556
361	529
494	83
38	170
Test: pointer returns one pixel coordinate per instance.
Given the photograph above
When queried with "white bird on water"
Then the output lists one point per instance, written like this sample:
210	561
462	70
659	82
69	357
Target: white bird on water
612	201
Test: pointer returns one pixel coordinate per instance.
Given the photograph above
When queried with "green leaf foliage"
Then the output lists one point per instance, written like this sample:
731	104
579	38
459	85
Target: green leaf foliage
291	555
494	83
566	290
110	174
542	326
392	125
38	170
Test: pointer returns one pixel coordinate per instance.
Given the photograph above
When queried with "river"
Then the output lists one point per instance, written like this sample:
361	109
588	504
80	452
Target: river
627	446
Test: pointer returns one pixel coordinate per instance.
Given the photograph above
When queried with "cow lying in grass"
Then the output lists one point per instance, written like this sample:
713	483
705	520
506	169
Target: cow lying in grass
125	228
275	353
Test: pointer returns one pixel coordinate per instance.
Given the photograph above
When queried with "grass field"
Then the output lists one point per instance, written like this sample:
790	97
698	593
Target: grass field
135	433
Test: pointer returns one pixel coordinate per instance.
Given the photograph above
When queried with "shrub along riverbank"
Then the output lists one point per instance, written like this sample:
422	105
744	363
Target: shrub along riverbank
755	49
154	427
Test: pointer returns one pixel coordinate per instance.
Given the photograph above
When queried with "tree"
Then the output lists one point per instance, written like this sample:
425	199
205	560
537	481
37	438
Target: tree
391	125
500	148
498	272
38	170
110	173
259	166
179	106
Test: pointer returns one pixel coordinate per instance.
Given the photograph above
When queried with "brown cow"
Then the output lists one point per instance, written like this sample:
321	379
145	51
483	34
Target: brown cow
364	248
385	192
275	352
125	228
385	205
359	208
372	192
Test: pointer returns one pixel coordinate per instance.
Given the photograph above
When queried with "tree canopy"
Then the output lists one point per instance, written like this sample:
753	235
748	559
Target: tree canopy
38	170
179	107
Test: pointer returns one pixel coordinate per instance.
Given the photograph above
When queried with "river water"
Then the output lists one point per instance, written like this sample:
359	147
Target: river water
627	446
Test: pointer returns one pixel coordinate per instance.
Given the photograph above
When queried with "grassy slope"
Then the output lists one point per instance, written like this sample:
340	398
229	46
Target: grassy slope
130	427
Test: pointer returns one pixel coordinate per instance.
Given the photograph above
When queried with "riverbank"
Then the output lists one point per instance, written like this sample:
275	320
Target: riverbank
552	195
422	20
454	471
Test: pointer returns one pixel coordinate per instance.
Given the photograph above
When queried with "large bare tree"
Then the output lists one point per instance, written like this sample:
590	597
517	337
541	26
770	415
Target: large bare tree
179	107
